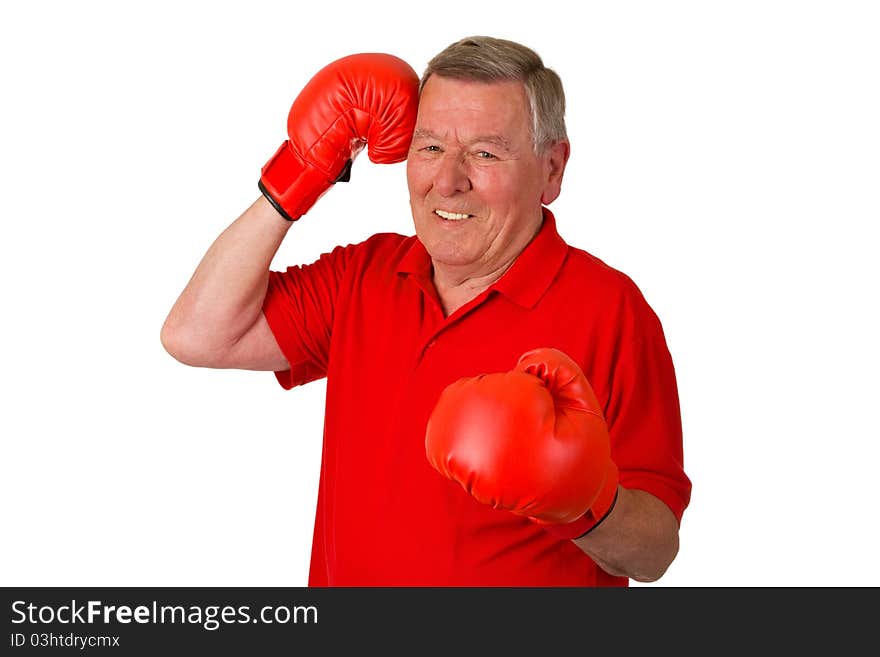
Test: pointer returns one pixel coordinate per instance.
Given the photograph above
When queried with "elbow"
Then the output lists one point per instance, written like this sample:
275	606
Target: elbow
172	341
646	564
648	577
182	344
195	345
653	569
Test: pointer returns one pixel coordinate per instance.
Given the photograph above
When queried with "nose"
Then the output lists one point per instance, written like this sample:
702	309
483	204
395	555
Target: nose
451	175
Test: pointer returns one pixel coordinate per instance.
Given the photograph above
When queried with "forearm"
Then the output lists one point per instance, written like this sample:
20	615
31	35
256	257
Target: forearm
638	539
224	297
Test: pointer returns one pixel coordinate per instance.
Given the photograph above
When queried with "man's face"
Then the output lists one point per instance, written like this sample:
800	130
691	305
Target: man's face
475	183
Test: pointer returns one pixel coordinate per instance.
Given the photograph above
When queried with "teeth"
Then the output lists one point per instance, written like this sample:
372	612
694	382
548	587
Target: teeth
453	216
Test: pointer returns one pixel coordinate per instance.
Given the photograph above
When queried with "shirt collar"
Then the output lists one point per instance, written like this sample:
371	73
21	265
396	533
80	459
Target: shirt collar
526	280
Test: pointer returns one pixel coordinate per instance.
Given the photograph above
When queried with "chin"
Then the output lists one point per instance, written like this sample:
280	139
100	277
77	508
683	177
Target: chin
444	248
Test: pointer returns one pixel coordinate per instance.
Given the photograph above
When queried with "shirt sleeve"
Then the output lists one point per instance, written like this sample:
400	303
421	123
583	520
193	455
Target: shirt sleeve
299	307
644	415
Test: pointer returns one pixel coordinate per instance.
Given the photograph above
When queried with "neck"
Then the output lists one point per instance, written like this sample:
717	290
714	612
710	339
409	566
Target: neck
456	285
456	288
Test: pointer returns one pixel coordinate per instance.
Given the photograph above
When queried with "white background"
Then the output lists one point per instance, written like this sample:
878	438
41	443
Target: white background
726	155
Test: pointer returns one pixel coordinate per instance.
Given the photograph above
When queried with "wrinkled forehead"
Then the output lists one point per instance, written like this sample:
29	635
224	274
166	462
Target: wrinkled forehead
498	110
466	84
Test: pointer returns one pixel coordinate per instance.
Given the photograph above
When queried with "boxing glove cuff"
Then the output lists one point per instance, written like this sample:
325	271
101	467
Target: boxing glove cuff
292	185
599	510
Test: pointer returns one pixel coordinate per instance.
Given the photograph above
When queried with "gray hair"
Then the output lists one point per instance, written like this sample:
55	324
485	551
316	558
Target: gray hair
488	59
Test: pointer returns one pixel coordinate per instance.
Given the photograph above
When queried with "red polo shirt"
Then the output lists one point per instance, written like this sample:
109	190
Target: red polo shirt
367	317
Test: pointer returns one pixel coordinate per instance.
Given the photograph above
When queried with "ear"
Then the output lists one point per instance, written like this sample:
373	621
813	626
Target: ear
555	158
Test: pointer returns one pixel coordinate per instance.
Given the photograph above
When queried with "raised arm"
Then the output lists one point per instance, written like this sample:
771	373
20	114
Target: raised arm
367	99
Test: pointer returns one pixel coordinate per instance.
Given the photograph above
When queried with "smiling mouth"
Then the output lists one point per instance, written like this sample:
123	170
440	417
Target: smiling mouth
452	216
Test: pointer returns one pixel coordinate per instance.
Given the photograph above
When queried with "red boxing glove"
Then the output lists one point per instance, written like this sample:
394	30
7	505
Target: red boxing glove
532	441
369	98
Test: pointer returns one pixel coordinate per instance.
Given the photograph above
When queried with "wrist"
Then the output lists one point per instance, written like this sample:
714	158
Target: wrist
599	510
290	184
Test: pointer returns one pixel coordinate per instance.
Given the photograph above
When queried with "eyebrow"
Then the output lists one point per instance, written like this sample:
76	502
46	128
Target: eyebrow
497	140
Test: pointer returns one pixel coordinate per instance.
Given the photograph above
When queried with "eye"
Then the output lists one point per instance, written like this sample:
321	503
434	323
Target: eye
433	148
485	155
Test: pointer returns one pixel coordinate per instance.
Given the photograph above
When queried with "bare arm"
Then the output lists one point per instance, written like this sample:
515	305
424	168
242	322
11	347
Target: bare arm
217	320
638	539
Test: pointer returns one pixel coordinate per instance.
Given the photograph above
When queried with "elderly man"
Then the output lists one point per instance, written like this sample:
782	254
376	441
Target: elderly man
501	407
